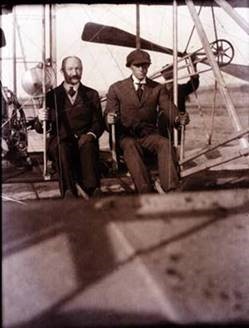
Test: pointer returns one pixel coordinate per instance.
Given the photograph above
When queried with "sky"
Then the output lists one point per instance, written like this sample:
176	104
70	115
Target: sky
105	64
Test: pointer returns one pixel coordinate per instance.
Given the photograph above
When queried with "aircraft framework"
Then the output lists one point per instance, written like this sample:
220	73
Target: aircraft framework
216	55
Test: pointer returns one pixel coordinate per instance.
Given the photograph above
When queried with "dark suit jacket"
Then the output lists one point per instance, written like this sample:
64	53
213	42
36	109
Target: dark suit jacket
93	120
139	118
183	91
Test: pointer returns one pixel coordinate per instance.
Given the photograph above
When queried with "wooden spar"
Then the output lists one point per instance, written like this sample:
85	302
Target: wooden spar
138	42
159	73
200	58
217	74
50	33
215	162
14	50
45	173
175	65
113	149
52	39
234	15
202	152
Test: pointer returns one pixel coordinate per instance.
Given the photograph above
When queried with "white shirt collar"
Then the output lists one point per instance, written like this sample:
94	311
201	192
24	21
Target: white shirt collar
67	86
137	81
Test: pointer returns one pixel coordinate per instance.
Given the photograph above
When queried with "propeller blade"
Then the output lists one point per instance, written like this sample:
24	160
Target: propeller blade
237	70
98	33
6	9
2	38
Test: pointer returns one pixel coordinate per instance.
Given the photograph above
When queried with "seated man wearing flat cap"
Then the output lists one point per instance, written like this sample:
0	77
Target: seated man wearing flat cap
134	104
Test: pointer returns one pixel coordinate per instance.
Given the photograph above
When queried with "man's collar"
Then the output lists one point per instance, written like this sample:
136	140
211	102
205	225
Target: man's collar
169	85
135	80
67	86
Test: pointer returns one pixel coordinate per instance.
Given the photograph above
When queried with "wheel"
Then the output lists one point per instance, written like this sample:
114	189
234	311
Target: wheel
223	51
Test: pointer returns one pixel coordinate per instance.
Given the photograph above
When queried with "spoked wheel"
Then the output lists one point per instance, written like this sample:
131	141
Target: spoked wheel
223	51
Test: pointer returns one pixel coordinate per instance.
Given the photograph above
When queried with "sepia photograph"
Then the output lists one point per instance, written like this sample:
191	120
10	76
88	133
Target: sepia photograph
125	163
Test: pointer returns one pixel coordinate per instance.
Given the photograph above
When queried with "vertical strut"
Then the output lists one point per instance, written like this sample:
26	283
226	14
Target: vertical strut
138	42
14	50
45	173
52	39
175	70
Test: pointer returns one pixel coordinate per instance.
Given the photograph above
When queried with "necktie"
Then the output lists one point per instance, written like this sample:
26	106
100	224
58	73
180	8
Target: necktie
139	90
71	91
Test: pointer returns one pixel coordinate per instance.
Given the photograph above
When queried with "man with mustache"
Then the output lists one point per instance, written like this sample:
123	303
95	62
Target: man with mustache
76	123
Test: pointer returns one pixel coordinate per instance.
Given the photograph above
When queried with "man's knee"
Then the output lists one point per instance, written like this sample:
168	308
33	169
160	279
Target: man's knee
163	143
87	146
65	150
89	149
129	144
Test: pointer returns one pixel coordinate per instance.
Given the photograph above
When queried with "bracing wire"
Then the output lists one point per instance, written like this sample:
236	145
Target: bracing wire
191	33
195	92
108	49
210	135
235	37
24	57
214	23
197	100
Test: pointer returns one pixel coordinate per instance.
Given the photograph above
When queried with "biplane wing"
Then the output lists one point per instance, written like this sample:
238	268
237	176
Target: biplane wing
204	3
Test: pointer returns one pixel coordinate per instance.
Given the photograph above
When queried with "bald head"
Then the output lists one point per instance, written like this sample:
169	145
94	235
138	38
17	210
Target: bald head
72	69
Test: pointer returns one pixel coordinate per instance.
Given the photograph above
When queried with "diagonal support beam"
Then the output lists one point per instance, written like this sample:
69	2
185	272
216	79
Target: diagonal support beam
217	74
209	149
216	162
234	15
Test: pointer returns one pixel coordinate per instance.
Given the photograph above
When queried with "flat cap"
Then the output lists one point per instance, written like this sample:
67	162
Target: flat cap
138	57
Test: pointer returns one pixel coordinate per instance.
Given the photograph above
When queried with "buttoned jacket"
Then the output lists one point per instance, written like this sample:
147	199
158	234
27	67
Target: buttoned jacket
139	117
93	121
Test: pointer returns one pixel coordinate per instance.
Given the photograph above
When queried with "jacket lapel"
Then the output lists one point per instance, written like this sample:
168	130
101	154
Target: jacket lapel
132	92
60	95
82	91
146	92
